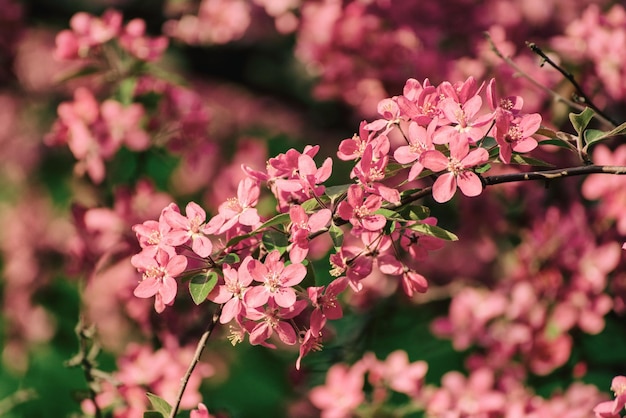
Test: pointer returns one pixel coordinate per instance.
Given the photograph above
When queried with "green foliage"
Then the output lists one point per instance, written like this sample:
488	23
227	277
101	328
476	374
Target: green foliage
201	285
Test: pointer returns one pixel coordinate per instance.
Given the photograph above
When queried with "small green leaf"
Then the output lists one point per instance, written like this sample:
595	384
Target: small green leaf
415	213
126	90
335	192
593	135
236	240
201	285
336	235
581	120
231	258
434	231
310	205
274	240
159	404
483	168
281	218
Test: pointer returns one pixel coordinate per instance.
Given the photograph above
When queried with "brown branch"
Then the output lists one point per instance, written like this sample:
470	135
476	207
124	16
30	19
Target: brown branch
554	174
196	358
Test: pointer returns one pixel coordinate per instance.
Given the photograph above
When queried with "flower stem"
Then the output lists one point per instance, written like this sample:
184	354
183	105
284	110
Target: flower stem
196	358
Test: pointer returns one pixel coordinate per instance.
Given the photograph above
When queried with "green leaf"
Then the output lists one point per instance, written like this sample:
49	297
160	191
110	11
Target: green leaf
581	120
274	240
159	404
434	231
335	192
281	218
236	240
153	414
201	285
558	142
336	235
310	205
231	258
415	213
483	168
593	135
126	90
388	213
525	160
546	132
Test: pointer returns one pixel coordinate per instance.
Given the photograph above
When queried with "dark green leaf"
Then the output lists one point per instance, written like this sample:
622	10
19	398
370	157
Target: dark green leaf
581	120
558	142
274	240
159	404
231	258
434	231
153	414
201	285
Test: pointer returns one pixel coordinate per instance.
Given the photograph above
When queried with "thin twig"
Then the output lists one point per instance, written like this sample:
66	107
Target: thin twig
580	94
196	358
556	96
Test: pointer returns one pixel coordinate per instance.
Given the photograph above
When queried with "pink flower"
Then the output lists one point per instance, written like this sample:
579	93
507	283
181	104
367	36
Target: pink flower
351	262
301	226
468	128
420	141
272	320
360	211
341	394
277	281
231	293
133	40
158	277
201	412
190	227
150	234
514	134
458	165
238	210
413	282
389	110
352	148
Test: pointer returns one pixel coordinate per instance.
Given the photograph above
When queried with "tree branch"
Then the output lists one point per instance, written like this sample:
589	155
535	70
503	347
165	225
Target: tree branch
554	174
196	358
580	95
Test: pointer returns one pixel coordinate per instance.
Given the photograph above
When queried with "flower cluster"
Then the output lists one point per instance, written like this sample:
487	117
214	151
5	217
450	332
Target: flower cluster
95	132
89	33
